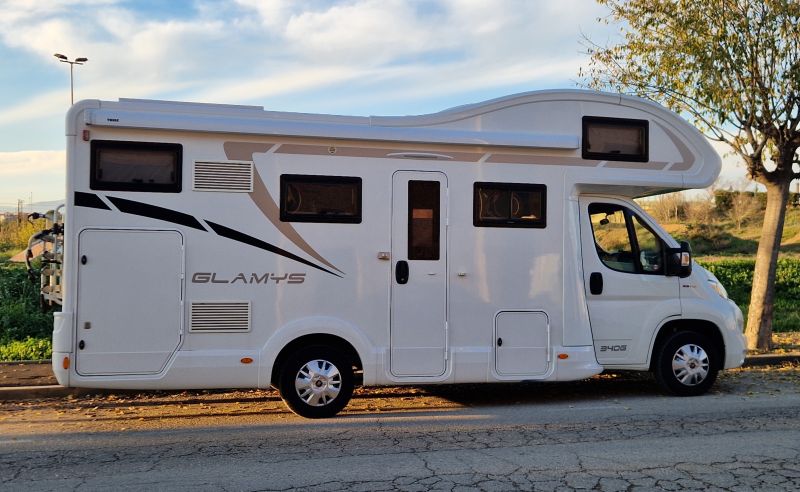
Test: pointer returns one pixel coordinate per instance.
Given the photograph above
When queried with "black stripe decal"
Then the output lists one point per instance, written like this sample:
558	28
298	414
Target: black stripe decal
153	212
258	243
89	200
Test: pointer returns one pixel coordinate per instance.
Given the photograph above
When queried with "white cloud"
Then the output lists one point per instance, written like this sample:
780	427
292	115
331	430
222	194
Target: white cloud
37	172
257	49
31	162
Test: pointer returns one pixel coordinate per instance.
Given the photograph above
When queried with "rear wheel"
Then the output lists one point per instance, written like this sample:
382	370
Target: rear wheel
686	364
316	382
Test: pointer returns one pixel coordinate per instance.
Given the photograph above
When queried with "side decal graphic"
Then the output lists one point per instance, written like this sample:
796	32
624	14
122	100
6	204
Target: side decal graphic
91	200
245	151
160	213
258	243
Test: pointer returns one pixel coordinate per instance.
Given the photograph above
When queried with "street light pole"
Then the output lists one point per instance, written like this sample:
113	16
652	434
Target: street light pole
76	61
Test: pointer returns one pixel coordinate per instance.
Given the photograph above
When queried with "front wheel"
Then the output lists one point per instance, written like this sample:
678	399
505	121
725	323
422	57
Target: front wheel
316	382
686	364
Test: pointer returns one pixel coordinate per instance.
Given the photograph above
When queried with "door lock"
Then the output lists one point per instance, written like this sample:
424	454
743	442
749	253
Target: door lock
83	260
81	344
499	342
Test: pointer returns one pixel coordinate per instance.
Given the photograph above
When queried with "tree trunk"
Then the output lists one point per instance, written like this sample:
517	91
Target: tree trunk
762	297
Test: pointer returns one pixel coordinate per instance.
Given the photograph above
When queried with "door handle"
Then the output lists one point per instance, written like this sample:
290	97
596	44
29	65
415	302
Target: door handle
596	283
401	272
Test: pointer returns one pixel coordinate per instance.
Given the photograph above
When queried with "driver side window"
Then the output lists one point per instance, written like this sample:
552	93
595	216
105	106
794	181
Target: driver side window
623	242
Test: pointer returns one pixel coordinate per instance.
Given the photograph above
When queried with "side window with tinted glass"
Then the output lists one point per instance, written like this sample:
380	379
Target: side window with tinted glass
623	242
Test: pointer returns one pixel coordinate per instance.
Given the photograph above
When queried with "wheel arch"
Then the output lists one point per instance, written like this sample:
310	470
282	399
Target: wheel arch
700	326
324	339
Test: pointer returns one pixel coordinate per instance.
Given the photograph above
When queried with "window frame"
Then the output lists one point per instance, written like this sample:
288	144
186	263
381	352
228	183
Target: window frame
286	216
477	221
98	184
621	122
633	240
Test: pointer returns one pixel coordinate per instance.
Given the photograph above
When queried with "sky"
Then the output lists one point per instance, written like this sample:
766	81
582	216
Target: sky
354	57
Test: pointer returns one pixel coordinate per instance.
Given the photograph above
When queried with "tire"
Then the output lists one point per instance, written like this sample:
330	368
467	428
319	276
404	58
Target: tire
316	382
686	364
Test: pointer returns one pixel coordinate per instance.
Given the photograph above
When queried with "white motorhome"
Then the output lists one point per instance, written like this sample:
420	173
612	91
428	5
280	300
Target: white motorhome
216	246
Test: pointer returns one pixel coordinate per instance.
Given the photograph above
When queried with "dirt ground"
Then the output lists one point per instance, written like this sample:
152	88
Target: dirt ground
173	410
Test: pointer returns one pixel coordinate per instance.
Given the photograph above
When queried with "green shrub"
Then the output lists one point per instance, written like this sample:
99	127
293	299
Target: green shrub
28	349
737	277
20	316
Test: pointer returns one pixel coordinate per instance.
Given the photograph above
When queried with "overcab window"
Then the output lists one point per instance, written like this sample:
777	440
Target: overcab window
509	205
615	139
311	198
136	166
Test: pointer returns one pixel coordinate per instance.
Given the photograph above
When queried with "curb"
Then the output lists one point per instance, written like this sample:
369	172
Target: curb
770	360
55	391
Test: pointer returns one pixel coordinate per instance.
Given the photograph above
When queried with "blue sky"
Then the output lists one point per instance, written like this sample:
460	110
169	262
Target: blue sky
359	57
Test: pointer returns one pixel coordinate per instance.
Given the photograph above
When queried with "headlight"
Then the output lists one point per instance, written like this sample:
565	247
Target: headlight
716	285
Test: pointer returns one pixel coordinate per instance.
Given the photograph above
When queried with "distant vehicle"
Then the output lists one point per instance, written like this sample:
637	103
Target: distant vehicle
214	246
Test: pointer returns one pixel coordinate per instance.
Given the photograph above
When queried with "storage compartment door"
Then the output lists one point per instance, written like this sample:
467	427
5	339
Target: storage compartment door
522	343
129	300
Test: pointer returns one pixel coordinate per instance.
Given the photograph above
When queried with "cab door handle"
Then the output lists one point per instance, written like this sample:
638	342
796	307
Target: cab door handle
401	272
596	283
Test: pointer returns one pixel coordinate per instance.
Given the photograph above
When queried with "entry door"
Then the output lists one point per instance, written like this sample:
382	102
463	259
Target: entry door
129	300
419	274
627	292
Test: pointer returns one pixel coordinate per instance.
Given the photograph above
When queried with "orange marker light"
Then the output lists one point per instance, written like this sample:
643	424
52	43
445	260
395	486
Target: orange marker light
65	362
246	360
563	356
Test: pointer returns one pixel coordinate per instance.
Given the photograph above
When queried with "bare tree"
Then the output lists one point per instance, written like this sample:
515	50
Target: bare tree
666	207
744	206
700	211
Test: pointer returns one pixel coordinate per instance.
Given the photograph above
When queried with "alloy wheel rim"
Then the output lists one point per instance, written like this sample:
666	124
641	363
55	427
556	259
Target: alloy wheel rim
690	364
318	382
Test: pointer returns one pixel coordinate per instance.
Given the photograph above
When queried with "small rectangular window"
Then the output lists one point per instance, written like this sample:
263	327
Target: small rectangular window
615	139
423	220
509	205
310	198
136	166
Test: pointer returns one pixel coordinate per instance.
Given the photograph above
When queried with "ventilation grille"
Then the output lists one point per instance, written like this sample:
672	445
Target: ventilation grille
220	316
223	176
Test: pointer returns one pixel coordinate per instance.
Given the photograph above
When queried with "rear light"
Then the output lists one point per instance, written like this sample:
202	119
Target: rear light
65	362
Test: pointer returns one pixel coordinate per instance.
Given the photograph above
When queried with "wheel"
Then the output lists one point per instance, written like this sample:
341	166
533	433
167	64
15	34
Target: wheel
316	382
686	364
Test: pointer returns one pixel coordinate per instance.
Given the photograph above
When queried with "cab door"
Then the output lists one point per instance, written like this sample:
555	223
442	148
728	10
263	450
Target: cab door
627	291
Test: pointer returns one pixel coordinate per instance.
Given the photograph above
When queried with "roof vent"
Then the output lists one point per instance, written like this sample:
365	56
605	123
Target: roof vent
210	317
230	176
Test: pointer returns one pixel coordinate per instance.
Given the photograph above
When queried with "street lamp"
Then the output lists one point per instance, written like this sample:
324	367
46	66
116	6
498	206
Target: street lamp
76	61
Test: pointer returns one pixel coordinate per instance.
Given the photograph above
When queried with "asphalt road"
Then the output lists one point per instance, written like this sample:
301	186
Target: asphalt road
615	434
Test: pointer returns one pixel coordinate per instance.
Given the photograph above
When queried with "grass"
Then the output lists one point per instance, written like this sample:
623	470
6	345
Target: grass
27	349
25	331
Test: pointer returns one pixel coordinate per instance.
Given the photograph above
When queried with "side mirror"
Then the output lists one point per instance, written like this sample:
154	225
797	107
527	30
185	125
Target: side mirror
679	261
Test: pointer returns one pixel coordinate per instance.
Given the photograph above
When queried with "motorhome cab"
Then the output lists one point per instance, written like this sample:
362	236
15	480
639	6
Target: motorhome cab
212	246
